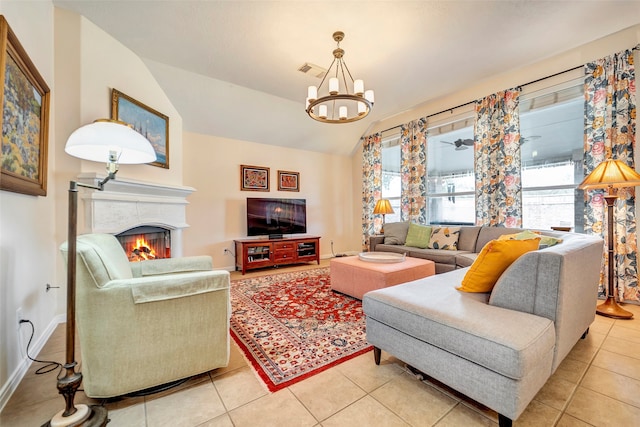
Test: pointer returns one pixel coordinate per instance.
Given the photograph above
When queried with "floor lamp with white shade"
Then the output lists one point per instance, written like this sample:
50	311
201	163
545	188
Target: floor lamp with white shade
116	143
611	174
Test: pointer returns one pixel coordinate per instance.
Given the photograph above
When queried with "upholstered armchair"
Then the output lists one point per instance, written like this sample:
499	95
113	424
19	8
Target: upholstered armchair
144	324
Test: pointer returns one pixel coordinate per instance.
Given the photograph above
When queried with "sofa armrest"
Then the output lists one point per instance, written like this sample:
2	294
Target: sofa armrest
377	239
157	267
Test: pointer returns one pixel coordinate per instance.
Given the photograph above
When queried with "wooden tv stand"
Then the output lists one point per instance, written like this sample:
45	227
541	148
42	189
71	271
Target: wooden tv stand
259	253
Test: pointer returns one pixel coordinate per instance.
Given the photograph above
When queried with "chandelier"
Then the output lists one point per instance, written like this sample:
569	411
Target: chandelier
339	105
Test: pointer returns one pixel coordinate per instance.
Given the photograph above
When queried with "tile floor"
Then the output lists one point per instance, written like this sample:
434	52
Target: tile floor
598	384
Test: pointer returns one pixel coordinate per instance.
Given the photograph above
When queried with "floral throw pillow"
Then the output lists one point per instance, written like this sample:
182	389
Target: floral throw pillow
444	238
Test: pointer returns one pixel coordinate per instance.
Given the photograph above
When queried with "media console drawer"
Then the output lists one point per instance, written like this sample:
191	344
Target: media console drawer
259	253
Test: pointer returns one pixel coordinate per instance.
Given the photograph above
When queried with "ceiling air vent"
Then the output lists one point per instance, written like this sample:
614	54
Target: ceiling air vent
313	70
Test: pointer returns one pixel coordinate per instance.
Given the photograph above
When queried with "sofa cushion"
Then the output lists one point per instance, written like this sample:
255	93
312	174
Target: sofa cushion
418	236
545	241
492	261
395	233
393	248
512	343
444	238
487	234
465	259
436	255
468	238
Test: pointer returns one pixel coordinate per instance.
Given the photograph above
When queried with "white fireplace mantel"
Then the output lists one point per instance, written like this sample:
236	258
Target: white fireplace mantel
127	203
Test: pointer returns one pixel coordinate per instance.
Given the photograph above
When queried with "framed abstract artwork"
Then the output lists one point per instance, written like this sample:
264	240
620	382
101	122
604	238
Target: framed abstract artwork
288	181
150	123
254	178
25	119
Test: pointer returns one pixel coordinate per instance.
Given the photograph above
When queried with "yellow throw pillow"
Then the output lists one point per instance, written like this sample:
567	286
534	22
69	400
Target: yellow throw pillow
493	260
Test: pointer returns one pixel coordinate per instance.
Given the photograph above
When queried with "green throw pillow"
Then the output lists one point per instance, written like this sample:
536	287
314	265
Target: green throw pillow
418	236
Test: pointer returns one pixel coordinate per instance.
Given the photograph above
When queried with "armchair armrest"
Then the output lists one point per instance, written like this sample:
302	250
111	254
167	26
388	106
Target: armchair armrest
166	287
157	267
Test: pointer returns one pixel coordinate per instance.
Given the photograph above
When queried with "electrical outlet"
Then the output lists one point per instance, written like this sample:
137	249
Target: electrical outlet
19	317
226	251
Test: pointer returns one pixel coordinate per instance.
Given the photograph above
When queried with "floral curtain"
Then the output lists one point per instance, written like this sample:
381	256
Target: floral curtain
413	170
371	185
609	132
497	160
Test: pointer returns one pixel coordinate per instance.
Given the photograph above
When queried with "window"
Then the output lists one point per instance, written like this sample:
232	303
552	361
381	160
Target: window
551	128
391	180
450	178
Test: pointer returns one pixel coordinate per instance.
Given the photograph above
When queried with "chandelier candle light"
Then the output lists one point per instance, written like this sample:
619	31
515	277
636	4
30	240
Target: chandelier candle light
116	142
611	174
339	106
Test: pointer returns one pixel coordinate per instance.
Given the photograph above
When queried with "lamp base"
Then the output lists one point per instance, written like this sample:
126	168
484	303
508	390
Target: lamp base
85	416
610	308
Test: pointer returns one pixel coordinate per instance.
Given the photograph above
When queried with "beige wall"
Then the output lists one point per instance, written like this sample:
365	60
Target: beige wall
27	223
87	64
528	73
216	211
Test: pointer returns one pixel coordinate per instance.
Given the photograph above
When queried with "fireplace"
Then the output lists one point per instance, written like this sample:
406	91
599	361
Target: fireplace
146	242
127	204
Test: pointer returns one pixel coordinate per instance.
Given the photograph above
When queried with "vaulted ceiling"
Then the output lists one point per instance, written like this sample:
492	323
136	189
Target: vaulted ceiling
231	67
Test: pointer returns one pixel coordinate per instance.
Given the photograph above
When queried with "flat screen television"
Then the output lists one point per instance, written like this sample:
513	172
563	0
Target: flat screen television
276	217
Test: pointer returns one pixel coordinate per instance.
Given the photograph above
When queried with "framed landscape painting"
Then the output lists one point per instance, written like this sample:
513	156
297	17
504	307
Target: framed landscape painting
254	178
150	123
288	181
25	119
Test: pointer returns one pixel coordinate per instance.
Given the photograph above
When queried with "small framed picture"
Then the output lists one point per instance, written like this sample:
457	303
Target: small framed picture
288	181
254	178
150	123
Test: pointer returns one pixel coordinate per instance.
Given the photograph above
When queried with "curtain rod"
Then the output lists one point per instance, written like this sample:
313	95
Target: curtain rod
522	85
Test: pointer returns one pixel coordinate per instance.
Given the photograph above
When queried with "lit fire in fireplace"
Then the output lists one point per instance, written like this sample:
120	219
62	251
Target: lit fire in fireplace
146	243
141	251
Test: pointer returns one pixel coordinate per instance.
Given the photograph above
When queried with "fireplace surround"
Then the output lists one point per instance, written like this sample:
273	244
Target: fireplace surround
126	204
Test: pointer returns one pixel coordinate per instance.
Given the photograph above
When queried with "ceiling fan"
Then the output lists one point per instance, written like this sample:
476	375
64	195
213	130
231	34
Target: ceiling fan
529	138
460	144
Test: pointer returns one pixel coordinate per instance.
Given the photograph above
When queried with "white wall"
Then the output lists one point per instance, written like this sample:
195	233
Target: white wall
217	210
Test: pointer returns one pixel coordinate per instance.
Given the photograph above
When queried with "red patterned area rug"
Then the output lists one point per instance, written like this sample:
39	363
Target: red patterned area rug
291	326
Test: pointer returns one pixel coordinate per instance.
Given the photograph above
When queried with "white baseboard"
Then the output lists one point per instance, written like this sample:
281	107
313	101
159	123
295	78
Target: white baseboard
14	380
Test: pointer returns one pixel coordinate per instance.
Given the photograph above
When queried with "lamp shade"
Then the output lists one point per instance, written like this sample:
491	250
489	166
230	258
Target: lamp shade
95	141
383	206
611	173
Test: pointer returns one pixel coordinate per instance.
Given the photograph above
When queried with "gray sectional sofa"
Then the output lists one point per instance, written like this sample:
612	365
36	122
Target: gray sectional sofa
470	242
497	348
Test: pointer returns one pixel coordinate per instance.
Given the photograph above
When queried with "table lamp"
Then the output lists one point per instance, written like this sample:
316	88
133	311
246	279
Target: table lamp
383	206
103	140
611	174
